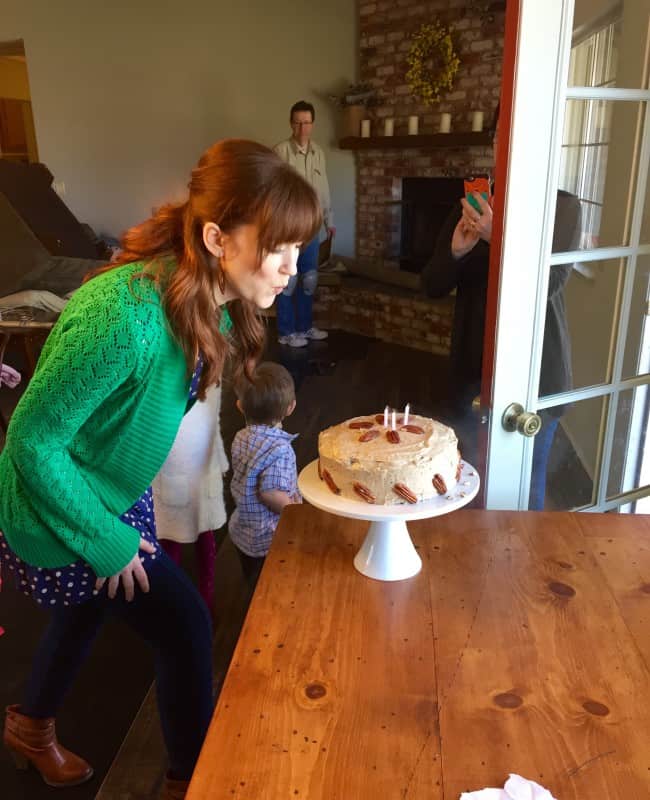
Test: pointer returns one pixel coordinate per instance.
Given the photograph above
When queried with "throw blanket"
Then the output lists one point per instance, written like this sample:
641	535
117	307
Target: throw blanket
33	298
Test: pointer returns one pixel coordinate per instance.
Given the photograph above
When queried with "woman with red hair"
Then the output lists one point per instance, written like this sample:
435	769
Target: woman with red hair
133	349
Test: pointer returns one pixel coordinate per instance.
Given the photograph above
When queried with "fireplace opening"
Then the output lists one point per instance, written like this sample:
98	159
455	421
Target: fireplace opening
426	203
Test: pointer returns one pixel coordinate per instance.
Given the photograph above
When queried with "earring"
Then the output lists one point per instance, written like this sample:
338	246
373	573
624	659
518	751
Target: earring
221	279
218	253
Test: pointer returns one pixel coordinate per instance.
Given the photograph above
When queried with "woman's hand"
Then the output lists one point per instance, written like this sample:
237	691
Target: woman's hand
133	571
464	239
479	223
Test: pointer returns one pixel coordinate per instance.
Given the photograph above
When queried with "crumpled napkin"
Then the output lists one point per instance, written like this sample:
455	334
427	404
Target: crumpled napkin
515	788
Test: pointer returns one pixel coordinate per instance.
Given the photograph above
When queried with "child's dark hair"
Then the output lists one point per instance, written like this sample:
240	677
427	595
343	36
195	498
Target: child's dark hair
266	398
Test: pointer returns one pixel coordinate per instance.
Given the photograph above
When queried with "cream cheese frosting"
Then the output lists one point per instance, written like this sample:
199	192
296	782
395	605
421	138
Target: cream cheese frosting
358	460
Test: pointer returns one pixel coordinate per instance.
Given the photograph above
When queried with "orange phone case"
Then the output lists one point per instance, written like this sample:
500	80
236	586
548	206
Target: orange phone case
480	184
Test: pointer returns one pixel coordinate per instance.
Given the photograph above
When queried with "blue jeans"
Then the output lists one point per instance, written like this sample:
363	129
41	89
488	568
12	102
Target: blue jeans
294	305
541	452
173	619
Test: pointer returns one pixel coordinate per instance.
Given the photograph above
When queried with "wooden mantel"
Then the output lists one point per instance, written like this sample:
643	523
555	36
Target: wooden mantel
421	141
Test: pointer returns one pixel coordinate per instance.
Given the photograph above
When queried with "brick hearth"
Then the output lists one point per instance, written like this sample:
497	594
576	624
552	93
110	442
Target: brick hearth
400	316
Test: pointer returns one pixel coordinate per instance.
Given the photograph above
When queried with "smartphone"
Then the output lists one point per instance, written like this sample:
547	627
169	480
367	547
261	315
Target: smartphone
480	184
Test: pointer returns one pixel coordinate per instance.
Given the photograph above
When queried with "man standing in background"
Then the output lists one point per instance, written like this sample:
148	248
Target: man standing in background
295	327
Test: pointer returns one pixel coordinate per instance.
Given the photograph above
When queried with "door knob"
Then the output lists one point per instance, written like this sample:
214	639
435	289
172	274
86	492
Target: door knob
515	418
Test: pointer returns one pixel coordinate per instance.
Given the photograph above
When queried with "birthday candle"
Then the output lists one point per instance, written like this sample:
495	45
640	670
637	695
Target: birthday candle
386	417
406	414
392	424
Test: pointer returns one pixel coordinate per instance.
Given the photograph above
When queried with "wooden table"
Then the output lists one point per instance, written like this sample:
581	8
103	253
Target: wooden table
522	646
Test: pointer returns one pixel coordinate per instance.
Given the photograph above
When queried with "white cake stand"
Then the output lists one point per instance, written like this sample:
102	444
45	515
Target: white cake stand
387	553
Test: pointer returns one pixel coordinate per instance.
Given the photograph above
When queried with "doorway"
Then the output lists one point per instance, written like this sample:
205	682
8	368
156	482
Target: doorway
582	104
17	131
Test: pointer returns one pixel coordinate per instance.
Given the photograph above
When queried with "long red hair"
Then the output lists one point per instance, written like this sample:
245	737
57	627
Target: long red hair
236	182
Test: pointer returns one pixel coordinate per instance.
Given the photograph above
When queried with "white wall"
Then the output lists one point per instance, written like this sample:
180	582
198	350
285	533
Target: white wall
126	95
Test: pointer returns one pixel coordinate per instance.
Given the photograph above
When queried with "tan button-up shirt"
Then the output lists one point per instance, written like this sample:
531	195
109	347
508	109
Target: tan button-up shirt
310	163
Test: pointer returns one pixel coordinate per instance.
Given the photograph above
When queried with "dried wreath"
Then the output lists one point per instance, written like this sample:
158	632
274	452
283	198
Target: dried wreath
433	62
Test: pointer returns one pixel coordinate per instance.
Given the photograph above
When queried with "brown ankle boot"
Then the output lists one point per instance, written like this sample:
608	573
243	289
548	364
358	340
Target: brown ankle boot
173	790
33	741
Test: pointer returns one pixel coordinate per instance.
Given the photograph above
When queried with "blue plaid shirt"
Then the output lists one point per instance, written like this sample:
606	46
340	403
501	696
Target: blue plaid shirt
262	459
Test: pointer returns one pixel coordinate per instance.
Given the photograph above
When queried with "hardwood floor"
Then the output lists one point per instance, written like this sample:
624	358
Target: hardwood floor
100	707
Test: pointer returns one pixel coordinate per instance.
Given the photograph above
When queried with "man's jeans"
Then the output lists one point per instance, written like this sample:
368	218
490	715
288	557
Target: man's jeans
541	453
294	305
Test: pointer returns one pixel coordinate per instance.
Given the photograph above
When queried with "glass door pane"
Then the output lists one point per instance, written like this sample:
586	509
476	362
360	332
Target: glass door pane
609	44
566	455
645	222
599	162
628	466
581	317
637	338
594	57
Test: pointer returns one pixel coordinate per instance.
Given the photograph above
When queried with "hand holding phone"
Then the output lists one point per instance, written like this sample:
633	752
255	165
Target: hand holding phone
477	211
479	184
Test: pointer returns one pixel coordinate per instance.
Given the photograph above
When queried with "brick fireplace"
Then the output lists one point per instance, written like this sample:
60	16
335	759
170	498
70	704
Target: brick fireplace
386	28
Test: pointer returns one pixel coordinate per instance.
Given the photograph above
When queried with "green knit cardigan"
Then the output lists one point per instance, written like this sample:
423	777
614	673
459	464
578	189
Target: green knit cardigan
94	426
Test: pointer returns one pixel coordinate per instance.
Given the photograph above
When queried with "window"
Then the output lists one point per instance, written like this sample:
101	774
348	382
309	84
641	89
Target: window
587	127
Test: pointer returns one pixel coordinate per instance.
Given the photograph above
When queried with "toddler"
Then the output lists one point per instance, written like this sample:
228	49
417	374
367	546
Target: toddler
264	476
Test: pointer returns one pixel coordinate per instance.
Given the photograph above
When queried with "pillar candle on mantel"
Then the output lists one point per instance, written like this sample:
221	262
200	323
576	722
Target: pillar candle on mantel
477	121
365	128
413	126
388	126
445	123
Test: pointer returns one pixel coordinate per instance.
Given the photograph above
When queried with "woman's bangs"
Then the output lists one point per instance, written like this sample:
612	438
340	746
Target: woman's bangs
291	214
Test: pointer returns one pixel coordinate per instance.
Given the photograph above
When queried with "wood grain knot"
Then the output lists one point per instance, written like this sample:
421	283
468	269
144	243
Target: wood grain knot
507	700
595	708
315	691
561	589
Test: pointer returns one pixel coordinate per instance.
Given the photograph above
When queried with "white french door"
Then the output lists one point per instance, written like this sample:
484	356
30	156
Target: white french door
580	123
